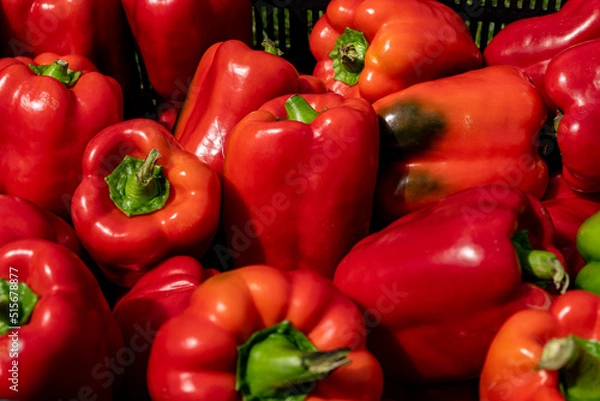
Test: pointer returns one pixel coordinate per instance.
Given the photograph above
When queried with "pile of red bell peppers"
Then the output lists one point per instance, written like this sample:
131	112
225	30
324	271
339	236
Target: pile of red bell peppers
199	219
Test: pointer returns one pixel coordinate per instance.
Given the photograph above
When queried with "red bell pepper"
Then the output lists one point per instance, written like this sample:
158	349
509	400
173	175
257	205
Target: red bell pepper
436	284
95	29
547	355
262	333
530	43
296	178
442	136
568	214
49	115
559	189
231	81
570	79
371	48
158	296
143	198
24	219
58	338
172	37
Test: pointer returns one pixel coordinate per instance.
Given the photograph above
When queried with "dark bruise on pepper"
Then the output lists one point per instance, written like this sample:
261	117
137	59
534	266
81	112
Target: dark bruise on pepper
449	134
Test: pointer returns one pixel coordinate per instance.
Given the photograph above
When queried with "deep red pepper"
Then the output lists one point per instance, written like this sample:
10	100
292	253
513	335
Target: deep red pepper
143	198
371	48
172	37
66	334
547	355
436	284
23	219
570	83
300	173
231	81
46	125
530	43
95	29
161	294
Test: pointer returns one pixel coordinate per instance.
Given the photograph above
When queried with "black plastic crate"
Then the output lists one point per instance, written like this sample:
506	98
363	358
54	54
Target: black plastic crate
289	22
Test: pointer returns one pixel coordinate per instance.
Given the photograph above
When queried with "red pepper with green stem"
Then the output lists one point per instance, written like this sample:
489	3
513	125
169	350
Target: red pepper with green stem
259	333
50	112
438	283
57	332
143	198
299	178
161	294
172	37
449	134
531	43
569	80
95	29
231	81
547	355
371	48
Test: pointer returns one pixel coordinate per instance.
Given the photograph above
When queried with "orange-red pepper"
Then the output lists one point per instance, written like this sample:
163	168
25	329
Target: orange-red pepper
371	48
546	355
258	331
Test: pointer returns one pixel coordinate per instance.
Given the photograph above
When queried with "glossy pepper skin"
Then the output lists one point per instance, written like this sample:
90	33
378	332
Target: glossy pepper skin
568	214
47	125
292	185
32	27
515	368
158	296
231	81
531	43
198	348
437	284
126	246
569	82
24	219
65	343
587	241
159	27
439	137
403	43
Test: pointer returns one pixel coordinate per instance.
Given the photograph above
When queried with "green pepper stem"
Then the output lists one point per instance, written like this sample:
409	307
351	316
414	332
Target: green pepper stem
58	70
578	361
271	47
280	362
348	56
138	186
17	302
541	265
298	109
557	353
